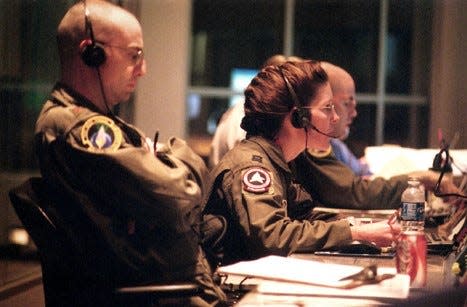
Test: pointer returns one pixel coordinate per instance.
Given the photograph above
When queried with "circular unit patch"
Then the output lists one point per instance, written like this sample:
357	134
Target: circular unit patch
256	180
100	133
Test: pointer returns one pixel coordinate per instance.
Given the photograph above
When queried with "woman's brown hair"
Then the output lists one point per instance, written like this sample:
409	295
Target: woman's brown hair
268	100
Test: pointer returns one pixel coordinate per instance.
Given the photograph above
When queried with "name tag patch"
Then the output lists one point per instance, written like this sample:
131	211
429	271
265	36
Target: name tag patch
256	180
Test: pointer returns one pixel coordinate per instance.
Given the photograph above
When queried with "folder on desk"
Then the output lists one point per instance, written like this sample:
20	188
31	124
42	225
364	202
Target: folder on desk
286	275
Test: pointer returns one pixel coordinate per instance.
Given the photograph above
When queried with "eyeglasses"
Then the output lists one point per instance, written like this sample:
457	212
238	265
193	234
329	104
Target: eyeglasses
136	54
328	108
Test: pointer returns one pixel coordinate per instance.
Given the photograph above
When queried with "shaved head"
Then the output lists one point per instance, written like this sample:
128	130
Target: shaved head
343	90
116	35
106	20
337	76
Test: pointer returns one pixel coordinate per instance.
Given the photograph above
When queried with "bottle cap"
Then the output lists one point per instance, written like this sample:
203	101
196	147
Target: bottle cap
455	269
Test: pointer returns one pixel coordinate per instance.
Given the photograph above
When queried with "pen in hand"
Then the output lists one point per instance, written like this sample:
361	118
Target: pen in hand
395	229
156	138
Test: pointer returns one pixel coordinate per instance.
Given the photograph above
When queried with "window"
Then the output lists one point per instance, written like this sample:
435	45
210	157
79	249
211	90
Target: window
27	73
385	45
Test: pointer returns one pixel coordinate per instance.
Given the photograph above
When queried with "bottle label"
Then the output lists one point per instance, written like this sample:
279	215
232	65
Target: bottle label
413	211
411	257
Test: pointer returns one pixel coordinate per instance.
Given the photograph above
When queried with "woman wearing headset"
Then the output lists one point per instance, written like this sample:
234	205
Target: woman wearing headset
253	191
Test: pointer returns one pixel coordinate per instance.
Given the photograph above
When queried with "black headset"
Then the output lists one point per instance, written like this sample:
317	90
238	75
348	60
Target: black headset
92	55
301	116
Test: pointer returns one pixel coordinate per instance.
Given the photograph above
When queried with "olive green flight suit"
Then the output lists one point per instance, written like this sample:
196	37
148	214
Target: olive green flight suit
334	185
144	206
264	210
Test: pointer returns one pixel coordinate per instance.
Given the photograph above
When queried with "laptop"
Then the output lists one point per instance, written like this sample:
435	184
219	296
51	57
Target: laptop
444	238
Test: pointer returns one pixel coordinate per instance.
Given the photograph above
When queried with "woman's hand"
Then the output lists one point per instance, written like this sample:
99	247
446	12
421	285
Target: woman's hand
381	233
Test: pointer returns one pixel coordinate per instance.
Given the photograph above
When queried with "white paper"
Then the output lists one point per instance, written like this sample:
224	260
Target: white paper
293	270
396	288
287	275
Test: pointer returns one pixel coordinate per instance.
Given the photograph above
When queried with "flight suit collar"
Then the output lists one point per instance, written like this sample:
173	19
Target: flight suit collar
272	151
319	153
66	96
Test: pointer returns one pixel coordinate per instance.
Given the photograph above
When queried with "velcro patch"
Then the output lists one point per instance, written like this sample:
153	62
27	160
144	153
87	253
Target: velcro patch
256	180
100	134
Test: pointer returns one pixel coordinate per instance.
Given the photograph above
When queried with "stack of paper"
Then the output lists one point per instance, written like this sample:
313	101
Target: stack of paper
282	275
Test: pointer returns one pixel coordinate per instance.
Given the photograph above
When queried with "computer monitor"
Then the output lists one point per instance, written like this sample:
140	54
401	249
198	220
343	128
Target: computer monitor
239	80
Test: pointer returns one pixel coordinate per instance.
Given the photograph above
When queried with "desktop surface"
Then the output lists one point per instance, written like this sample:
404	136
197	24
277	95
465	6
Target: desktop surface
443	287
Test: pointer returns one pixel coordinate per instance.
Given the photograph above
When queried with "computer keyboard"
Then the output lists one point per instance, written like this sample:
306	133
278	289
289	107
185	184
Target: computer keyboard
434	238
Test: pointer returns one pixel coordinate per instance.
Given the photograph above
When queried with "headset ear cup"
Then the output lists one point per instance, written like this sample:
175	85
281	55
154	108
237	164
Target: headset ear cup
295	119
306	118
301	118
93	55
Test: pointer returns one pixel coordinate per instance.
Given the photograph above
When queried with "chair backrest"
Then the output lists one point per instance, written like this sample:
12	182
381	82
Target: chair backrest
26	204
66	277
62	273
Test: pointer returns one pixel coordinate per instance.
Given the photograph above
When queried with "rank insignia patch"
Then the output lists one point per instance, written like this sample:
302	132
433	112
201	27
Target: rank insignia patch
257	158
256	180
100	133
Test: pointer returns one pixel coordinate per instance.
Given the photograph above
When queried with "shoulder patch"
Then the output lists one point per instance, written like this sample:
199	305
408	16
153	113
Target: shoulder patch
100	134
256	180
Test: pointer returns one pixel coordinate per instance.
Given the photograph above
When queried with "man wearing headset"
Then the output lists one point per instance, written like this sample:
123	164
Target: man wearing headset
139	204
346	107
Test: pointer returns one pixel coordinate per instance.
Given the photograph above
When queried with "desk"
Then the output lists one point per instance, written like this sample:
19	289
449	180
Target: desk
440	290
21	284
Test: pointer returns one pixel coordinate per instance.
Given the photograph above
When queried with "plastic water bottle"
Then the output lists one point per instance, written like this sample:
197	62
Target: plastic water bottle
412	215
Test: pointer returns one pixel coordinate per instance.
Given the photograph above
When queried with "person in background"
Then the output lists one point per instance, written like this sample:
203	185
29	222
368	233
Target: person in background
228	134
343	89
228	131
331	182
140	204
253	191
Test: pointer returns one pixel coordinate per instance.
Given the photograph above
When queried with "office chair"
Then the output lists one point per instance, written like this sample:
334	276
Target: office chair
64	280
